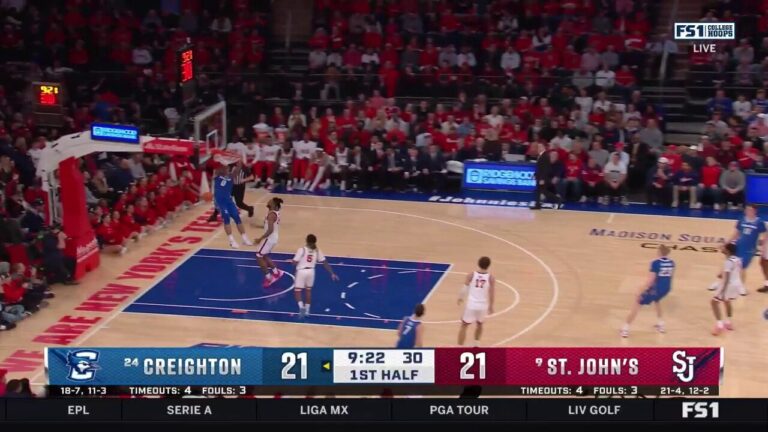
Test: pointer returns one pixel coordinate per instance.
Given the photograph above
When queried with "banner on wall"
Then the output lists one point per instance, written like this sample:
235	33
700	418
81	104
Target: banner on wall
169	146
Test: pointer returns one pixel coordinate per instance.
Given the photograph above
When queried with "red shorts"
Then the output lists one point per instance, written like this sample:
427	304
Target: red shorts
262	168
299	168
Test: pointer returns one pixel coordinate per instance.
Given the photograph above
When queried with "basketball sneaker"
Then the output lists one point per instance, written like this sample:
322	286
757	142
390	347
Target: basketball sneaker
624	333
728	326
268	279
717	330
277	276
233	244
660	328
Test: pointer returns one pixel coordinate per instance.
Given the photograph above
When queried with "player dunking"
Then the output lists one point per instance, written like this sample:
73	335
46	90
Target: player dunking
410	332
222	196
728	290
479	289
657	287
747	235
268	241
305	260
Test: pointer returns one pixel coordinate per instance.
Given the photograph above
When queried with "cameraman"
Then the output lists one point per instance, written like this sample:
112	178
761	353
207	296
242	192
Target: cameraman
58	267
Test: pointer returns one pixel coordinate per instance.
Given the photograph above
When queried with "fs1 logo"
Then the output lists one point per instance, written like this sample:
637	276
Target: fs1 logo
701	410
705	31
683	366
82	365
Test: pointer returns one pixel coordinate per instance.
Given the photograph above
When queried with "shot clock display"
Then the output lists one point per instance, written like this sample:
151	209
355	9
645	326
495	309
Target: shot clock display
48	94
49	100
187	77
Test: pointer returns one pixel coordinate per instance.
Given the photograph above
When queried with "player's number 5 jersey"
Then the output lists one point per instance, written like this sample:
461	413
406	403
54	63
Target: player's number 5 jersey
307	258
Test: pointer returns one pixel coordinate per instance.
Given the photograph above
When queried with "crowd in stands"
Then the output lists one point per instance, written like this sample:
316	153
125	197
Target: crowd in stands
497	48
742	62
128	197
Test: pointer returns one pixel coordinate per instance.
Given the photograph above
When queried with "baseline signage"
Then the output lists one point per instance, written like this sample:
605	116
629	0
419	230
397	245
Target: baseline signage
499	176
757	188
115	133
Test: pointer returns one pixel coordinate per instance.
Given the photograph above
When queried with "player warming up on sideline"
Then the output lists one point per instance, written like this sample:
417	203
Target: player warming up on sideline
268	241
657	287
747	235
305	260
479	289
410	332
728	290
225	204
764	265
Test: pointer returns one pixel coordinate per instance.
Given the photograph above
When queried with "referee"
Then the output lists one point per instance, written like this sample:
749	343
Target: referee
238	191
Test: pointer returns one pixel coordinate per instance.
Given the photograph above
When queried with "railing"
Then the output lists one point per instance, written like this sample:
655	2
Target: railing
665	55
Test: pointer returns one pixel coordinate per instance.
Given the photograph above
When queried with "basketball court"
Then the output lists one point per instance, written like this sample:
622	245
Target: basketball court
566	278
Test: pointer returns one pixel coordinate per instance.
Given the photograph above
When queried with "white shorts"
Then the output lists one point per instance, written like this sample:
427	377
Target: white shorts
265	247
731	292
472	316
305	278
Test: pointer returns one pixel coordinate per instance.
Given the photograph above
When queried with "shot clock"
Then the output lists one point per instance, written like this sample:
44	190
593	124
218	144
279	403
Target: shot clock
187	74
49	98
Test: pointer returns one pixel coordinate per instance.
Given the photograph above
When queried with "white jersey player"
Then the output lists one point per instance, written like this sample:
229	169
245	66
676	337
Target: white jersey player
728	290
303	151
478	292
268	241
305	260
250	154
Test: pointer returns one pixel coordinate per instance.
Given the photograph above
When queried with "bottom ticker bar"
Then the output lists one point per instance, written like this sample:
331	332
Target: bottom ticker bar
379	390
585	410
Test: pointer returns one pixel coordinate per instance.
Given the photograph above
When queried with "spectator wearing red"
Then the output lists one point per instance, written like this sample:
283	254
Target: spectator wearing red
726	154
449	23
145	215
524	42
572	179
428	57
372	38
747	156
570	59
111	234
128	222
319	40
709	186
160	207
78	55
674	157
389	77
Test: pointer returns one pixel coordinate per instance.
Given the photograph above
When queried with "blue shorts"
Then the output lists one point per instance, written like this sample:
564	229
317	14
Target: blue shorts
229	211
746	257
652	295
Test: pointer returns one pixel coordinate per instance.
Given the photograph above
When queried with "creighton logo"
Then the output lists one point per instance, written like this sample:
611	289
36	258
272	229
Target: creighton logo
683	366
82	365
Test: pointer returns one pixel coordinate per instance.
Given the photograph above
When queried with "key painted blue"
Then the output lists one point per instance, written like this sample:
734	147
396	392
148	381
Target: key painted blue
371	293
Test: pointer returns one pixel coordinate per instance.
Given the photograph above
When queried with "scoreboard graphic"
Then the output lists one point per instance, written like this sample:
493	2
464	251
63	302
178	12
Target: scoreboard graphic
509	371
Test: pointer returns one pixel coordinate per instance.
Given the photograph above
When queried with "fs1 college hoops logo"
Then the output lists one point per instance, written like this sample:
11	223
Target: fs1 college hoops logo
83	365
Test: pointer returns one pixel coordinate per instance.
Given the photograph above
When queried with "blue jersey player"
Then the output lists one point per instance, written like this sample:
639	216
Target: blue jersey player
222	198
657	287
410	332
748	231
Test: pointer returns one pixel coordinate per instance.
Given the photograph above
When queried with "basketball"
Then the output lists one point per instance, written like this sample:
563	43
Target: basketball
206	196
